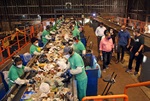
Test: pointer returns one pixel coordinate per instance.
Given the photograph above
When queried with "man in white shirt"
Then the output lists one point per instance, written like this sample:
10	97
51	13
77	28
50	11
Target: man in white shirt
99	33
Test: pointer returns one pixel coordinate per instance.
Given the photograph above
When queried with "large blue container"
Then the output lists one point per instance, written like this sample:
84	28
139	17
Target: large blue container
92	75
25	58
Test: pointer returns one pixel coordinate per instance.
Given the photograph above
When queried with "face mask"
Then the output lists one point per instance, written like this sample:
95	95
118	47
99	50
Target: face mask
109	38
74	43
19	66
67	56
37	44
121	30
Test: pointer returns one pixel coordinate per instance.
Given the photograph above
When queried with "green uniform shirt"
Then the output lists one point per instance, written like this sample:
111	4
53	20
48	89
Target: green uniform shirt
34	48
14	74
76	61
76	32
45	32
79	47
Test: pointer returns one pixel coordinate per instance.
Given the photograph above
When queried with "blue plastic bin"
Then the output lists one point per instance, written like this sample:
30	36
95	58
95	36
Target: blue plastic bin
92	75
25	59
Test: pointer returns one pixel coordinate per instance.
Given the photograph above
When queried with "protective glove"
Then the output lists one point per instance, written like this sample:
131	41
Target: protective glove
42	51
32	81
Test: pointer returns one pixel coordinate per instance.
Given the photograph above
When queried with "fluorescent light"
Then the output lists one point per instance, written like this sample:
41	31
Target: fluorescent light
94	14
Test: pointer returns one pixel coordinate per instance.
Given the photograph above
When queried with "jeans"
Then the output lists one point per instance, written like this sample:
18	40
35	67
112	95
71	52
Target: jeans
106	58
121	50
138	58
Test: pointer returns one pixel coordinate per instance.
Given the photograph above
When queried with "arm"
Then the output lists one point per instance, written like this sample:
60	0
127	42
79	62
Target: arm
78	70
129	41
21	81
48	37
96	32
27	69
84	52
141	47
36	53
101	46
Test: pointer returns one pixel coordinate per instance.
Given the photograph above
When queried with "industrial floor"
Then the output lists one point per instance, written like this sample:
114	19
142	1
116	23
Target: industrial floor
122	79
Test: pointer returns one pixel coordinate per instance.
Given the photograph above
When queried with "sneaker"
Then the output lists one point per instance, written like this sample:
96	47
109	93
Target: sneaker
117	61
122	61
104	70
128	71
135	73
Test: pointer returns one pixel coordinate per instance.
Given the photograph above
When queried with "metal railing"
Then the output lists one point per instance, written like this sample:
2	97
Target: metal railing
13	43
114	97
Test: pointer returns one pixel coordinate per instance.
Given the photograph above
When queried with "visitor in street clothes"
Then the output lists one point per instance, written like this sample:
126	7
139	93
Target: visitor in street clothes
113	36
123	42
106	46
99	33
136	51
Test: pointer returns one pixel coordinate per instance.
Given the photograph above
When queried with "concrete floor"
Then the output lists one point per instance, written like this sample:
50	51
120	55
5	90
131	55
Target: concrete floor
122	79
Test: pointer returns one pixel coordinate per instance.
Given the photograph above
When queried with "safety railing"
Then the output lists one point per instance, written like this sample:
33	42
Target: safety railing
13	43
102	98
115	97
135	85
131	23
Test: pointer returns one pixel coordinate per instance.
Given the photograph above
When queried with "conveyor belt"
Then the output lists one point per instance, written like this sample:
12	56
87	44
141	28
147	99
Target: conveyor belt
117	28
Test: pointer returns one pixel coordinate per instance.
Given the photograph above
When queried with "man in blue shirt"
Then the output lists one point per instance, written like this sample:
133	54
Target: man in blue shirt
123	43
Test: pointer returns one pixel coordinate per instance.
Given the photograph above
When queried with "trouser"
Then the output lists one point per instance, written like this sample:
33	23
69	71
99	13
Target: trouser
98	42
138	61
120	49
81	88
106	59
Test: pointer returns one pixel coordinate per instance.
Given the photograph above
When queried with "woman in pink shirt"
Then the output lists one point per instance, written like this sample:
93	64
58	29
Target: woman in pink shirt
106	46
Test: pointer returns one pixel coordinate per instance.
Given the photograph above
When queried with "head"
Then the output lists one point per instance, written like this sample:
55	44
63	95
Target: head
123	28
34	41
75	40
18	62
107	34
111	30
136	32
48	27
72	27
101	24
68	51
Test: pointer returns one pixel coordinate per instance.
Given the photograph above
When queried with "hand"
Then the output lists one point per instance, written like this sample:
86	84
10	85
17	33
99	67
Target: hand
128	46
100	54
137	53
130	49
42	51
32	81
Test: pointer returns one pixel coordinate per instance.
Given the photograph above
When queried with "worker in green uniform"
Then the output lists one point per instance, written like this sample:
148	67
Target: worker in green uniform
16	71
77	69
35	49
78	46
46	35
75	31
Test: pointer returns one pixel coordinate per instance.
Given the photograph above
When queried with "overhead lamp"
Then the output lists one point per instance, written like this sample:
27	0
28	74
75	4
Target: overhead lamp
94	14
23	16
